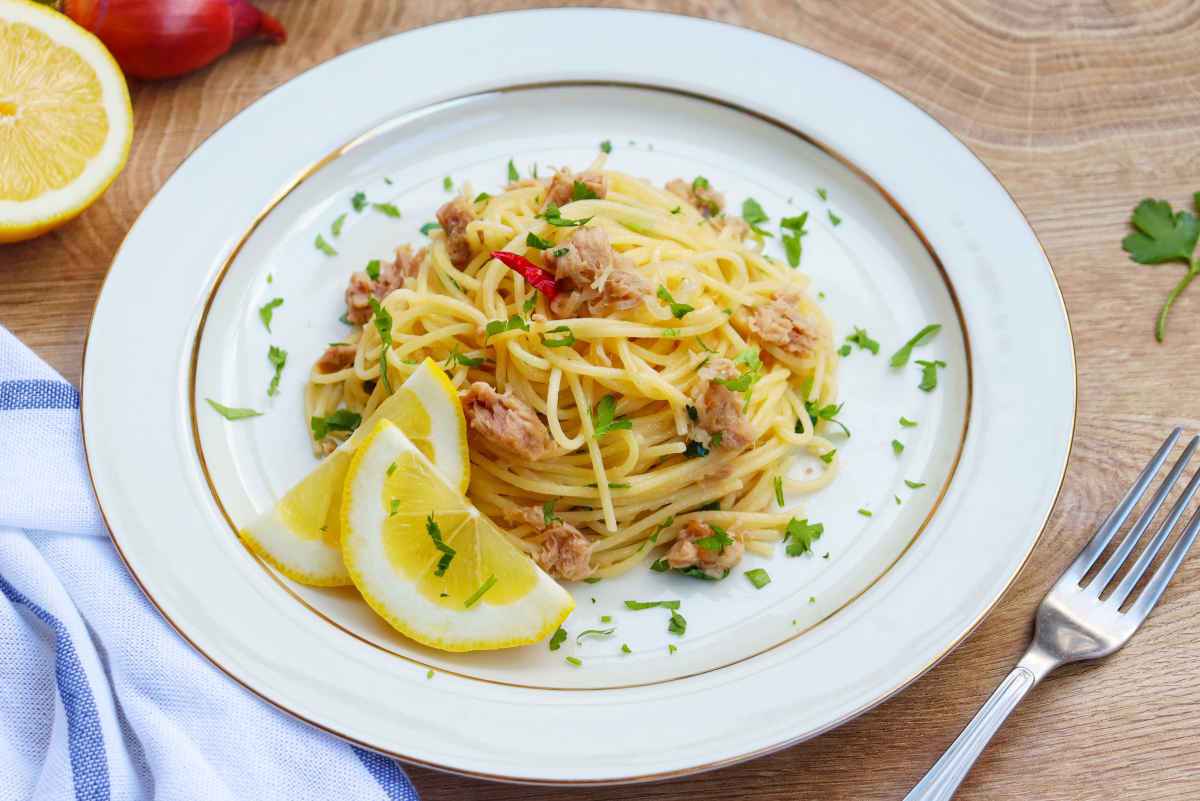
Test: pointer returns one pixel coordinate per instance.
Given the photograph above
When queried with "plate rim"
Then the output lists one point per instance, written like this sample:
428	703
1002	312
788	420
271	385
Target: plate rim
669	18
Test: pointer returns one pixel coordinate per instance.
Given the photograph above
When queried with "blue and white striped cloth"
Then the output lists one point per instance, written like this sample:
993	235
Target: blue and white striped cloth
99	698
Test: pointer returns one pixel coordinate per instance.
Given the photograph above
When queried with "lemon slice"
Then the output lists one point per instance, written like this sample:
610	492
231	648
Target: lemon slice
301	535
65	119
430	563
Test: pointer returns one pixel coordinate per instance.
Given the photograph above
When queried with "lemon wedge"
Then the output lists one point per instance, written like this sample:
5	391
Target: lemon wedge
430	563
301	535
65	119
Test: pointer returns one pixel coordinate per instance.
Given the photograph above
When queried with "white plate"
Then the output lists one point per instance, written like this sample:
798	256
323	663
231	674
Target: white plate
927	235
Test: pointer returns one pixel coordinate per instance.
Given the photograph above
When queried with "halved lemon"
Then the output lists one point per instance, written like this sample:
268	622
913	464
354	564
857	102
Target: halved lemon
65	119
301	535
430	563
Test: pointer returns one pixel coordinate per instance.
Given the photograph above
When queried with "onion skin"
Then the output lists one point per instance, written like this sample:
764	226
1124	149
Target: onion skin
153	39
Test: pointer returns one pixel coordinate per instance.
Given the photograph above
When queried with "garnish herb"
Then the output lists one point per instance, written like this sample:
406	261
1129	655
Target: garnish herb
829	413
320	244
267	310
678	624
230	412
695	450
660	566
901	357
340	420
391	468
625	648
430	226
548	515
576	661
558	638
429	673
388	209
338	222
581	191
904	421
535	241
677	209
597	633
393	507
529	304
671	648
553	216
606	146
897	497
359	201
791	242
863	340
914	484
833	218
640	605
447	184
758	577
606	618
897	447
1162	236
800	536
513	175
779	490
865	512
278	358
669	333
603	419
678	310
844	351
564	342
435	534
457	357
929	376
475	596
373	269
753	214
481	197
382	320
827	456
821	193
514	323
715	541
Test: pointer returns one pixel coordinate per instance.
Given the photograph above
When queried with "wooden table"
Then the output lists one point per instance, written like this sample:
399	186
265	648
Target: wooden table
1081	108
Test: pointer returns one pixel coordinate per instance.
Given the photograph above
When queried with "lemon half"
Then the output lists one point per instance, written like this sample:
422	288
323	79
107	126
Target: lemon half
430	563
301	535
65	119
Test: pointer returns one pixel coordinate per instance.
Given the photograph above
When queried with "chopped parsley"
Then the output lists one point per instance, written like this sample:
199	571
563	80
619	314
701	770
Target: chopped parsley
553	216
447	184
844	351
393	507
862	340
458	357
833	218
901	357
530	303
435	534
827	456
266	311
382	320
671	649
372	269
897	497
625	648
758	577
391	468
606	618
535	241
753	214
278	358
581	191
514	323
387	208
640	605
660	566
320	244
483	588
717	541
779	490
1162	236
865	512
558	638
597	633
677	209
429	226
606	146
564	342
904	421
678	624
661	527
670	333
897	447
359	201
792	247
603	419
828	413
230	412
338	222
929	378
914	484
429	673
821	193
678	310
574	660
548	515
513	175
340	420
800	535
695	450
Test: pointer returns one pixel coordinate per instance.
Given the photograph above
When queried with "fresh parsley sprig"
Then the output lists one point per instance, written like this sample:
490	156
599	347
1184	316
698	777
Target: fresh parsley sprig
604	418
1162	236
678	310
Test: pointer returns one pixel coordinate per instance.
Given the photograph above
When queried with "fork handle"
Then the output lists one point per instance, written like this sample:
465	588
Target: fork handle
943	779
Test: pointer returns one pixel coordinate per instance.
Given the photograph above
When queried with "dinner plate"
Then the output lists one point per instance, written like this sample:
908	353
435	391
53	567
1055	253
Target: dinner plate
925	526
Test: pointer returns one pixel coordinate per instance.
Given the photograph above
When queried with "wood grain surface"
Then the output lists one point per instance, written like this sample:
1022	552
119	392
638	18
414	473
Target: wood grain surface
1081	108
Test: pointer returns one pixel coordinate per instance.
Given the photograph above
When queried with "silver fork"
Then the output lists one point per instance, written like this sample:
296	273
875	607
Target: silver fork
1073	622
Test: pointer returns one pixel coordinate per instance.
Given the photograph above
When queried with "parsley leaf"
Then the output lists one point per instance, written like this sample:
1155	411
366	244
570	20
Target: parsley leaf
678	624
230	412
863	340
791	242
535	241
914	484
553	216
833	218
821	193
904	421
565	342
481	197
625	648
901	357
382	320
386	208
897	447
557	640
341	420
447	184
827	456
717	541
639	605
865	512
548	515
513	175
606	146
660	566
429	226
1163	236
278	358
574	660
929	377
448	553
514	323
336	228
817	413
603	420
581	191
458	357
359	201
373	269
753	214
801	535
320	244
267	310
758	577
678	310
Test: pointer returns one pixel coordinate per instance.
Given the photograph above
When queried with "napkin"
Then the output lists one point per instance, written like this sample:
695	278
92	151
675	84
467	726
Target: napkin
99	697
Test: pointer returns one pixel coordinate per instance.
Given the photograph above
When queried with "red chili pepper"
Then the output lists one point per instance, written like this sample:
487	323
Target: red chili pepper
540	279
